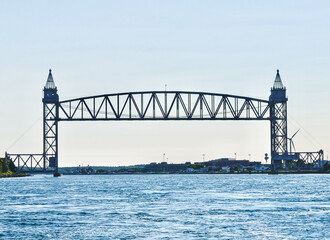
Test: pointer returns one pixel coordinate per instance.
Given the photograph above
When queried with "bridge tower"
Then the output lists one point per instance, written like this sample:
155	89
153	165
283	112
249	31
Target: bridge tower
50	122
278	121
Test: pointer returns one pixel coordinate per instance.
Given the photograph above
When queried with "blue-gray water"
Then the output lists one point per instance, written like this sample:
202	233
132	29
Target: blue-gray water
166	207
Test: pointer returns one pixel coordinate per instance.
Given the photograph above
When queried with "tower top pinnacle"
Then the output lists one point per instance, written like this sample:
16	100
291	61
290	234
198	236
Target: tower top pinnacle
278	82
50	81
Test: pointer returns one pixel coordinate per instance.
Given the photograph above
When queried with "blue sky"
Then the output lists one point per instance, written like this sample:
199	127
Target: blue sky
97	47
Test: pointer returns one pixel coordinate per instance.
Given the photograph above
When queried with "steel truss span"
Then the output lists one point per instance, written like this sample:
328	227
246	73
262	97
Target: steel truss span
163	105
27	162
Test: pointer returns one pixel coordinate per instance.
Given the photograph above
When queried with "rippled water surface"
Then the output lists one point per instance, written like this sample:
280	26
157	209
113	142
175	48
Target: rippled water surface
166	207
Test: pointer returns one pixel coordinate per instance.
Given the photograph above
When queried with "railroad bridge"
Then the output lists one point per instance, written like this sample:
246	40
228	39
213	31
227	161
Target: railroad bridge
165	106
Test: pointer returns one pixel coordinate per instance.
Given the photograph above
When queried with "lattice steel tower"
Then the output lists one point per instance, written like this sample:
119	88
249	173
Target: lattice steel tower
50	122
278	121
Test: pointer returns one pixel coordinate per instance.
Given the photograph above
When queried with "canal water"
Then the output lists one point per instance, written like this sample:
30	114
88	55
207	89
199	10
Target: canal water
166	207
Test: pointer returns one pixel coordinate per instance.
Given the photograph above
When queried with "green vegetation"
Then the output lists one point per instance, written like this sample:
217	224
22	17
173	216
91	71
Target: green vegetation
131	170
234	169
8	168
196	166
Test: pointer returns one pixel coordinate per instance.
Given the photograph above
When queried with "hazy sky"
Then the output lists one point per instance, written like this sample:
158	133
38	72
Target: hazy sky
98	47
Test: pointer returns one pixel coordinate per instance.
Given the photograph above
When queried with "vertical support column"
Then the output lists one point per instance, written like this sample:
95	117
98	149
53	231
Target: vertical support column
50	136
50	126
278	124
18	163
165	103
44	136
56	140
6	162
278	128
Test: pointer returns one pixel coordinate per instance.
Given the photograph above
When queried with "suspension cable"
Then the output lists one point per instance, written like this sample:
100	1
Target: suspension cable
23	134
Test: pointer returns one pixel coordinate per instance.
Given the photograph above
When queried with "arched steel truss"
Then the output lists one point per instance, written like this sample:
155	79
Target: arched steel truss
163	105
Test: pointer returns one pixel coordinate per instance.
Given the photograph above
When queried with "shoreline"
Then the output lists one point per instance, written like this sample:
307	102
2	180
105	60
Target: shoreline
13	175
167	173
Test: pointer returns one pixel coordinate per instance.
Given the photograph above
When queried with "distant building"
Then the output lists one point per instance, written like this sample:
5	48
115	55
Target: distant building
85	170
165	167
261	167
